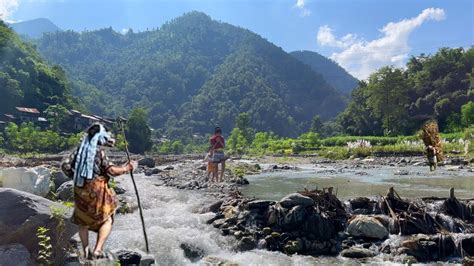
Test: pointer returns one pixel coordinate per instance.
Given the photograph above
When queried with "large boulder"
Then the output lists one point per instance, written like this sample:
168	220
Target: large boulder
15	254
21	214
35	180
367	227
66	191
148	162
295	199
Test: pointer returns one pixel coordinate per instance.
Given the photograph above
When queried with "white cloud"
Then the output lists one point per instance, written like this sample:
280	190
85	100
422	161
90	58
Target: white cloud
361	57
7	7
301	5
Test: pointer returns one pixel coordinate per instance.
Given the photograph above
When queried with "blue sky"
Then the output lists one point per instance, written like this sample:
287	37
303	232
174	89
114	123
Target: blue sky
347	31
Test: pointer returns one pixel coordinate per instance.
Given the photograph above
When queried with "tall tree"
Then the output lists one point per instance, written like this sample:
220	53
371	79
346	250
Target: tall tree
387	96
138	131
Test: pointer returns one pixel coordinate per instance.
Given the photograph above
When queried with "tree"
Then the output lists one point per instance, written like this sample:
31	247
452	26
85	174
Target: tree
242	122
387	96
467	114
138	131
58	117
316	125
237	142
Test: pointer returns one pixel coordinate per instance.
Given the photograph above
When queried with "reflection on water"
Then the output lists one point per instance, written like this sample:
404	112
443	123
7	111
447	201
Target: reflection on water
409	182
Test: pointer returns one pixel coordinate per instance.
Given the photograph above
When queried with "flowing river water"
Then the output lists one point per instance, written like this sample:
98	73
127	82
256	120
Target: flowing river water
173	216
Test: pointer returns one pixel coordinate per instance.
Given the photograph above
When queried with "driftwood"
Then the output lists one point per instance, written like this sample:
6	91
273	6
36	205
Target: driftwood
412	218
327	203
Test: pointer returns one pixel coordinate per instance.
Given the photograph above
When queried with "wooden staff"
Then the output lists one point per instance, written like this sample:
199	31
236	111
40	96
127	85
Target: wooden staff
134	185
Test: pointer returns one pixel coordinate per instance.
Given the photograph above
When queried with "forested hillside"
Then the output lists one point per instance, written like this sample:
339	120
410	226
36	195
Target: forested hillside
397	101
25	78
333	73
192	74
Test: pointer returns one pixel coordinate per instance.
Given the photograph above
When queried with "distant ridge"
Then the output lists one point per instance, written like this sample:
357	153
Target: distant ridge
34	28
192	74
333	73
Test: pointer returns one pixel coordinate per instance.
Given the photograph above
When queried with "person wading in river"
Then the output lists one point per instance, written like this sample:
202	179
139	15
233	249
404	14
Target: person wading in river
217	143
94	201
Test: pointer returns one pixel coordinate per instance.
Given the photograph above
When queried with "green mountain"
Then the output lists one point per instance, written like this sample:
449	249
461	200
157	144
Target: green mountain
333	73
34	28
192	74
25	78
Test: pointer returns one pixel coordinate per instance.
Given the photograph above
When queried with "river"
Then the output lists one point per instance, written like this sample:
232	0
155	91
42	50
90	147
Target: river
173	216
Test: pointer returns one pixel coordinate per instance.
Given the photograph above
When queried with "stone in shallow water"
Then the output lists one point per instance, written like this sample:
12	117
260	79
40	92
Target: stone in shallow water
295	199
367	227
357	253
192	252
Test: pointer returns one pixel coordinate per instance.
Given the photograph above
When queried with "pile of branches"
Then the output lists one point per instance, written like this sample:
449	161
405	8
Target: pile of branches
328	203
410	217
431	137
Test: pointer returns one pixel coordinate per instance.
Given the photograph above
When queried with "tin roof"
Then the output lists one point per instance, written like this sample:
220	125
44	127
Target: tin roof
27	110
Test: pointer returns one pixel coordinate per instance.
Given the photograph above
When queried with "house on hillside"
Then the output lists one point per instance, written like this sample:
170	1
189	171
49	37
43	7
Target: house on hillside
26	114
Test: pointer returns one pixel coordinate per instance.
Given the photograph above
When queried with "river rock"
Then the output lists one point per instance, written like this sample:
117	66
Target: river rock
295	199
153	171
58	178
357	253
359	203
148	162
366	227
127	257
32	180
192	252
15	254
213	260
66	191
293	247
260	204
21	214
246	243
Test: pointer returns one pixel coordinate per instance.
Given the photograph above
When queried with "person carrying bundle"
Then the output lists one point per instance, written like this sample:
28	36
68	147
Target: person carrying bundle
432	141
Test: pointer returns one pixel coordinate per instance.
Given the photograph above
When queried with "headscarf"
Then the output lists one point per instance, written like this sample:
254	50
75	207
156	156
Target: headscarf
84	166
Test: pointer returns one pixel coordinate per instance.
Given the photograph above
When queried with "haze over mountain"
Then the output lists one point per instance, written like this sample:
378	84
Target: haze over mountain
192	74
333	73
34	28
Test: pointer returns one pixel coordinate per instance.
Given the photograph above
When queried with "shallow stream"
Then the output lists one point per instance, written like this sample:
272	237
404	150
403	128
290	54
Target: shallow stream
173	216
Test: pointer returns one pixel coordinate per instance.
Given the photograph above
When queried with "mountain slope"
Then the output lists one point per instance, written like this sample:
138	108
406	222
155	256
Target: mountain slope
34	28
25	79
194	73
334	74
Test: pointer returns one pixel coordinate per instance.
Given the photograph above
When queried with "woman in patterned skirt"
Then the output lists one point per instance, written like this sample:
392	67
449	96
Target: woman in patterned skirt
94	201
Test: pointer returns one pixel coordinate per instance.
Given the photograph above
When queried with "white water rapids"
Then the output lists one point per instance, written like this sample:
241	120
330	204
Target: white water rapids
172	218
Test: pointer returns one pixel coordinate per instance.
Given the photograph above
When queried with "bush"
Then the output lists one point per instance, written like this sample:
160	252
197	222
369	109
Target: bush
26	138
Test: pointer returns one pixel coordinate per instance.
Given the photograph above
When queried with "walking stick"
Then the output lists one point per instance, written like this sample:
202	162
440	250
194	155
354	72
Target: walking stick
135	186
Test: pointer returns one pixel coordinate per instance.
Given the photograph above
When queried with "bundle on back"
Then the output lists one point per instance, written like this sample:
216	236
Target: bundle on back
431	137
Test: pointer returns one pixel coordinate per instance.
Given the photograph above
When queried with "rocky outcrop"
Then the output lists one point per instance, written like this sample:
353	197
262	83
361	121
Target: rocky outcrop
32	180
22	213
367	227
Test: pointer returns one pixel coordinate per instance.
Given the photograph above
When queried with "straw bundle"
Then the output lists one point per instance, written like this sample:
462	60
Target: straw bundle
430	136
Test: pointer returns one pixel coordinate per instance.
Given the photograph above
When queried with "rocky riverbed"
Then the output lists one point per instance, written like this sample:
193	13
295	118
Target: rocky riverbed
190	220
